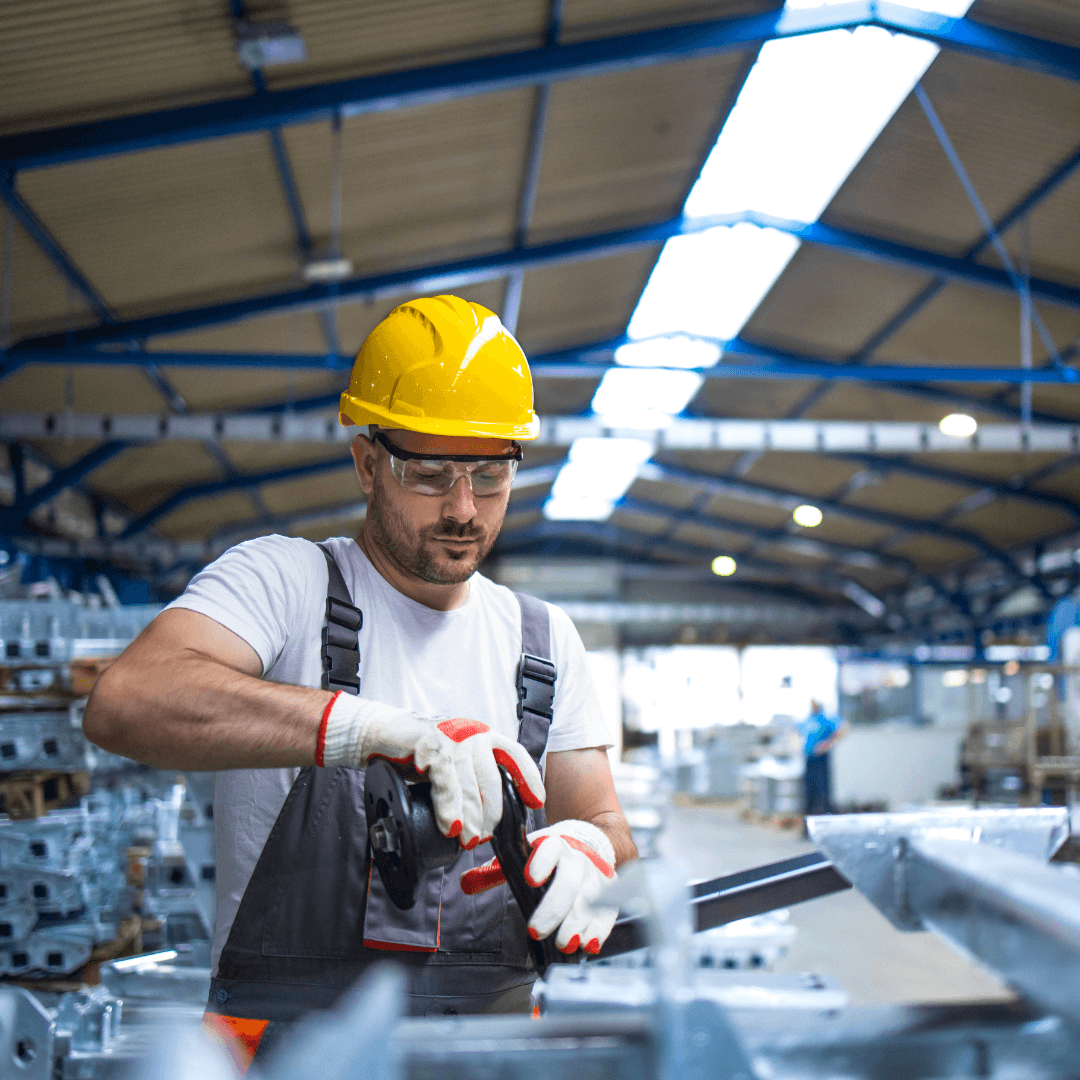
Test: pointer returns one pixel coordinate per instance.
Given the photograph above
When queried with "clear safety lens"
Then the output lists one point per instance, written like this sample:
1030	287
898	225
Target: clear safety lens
437	477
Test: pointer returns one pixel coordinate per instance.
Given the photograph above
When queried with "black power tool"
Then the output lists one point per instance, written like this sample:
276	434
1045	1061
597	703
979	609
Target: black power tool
406	843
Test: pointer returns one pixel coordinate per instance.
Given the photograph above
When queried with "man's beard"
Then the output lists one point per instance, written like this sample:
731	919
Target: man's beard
415	550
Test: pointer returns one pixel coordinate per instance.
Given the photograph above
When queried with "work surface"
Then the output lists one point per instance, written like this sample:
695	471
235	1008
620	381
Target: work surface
841	935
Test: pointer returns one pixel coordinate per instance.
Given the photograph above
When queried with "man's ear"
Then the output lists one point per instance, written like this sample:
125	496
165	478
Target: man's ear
364	455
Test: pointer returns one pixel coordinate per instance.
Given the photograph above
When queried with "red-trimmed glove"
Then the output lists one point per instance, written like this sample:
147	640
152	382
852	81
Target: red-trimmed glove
585	859
460	757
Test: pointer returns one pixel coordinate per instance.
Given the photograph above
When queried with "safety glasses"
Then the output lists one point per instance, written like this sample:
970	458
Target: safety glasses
436	476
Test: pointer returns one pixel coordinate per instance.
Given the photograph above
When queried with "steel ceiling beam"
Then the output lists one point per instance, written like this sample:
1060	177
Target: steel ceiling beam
604	534
550	63
221	487
12	517
767	364
500	264
50	247
788	501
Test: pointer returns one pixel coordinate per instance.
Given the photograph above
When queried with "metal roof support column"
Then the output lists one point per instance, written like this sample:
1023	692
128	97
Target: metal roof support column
12	517
530	180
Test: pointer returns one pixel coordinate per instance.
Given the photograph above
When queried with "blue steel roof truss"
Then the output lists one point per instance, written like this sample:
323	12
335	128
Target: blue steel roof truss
542	66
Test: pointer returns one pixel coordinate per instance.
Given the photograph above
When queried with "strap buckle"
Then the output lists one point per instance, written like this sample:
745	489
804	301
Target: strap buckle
535	686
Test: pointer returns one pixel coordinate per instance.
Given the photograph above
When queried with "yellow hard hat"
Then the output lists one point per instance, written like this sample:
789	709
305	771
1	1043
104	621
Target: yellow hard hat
446	367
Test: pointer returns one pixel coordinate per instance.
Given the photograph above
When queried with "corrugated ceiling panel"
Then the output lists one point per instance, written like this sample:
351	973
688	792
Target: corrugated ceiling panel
563	397
67	61
973	327
256	457
1058	20
296	332
202	517
44	388
738	398
170	228
145	475
1066	482
582	302
212	389
1063	401
625	148
1010	128
677	496
872	401
583	19
1052	232
1007	523
987	466
322	489
42	301
712	539
849	532
910	496
346	40
931	554
809	473
746	511
418	185
829	303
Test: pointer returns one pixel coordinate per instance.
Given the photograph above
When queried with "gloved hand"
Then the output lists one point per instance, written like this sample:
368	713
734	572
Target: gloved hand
585	861
460	757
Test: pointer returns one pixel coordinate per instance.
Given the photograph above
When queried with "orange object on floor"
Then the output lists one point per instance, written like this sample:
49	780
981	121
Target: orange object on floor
239	1036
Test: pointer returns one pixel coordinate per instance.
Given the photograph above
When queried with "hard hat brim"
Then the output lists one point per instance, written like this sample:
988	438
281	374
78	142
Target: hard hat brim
354	410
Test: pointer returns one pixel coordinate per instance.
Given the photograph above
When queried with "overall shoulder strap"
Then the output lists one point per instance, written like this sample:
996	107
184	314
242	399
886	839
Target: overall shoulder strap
340	644
536	676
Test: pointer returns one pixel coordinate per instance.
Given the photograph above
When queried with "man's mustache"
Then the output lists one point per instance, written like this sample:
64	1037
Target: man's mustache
456	532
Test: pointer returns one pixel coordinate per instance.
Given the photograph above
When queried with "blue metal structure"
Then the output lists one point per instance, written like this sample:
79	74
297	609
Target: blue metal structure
52	250
551	63
238	482
565	364
742	489
500	264
12	517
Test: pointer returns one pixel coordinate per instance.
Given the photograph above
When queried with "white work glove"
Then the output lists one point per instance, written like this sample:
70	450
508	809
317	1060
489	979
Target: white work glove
585	861
460	758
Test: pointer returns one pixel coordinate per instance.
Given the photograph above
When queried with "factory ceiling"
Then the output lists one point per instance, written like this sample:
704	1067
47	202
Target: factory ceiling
163	201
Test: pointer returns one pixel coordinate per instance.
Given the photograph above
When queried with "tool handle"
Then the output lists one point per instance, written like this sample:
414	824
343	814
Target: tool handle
513	849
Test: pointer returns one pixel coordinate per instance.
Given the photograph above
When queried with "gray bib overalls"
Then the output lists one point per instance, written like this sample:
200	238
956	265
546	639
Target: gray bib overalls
314	916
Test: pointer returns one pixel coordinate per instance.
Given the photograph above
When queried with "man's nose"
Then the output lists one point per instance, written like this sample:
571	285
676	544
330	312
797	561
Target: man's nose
459	501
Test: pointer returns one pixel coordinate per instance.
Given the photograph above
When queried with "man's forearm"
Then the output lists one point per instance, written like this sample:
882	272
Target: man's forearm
195	713
614	826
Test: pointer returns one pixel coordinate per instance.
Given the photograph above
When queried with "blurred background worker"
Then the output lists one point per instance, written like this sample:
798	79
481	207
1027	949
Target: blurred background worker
287	666
820	733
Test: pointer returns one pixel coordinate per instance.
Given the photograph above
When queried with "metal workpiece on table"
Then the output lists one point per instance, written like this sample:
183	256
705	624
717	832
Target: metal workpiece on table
738	896
867	849
1017	915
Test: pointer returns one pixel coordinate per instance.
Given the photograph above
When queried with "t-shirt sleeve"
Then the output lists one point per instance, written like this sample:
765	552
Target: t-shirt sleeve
577	721
255	590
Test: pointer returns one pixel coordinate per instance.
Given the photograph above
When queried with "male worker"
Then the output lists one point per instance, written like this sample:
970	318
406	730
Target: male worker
455	677
820	733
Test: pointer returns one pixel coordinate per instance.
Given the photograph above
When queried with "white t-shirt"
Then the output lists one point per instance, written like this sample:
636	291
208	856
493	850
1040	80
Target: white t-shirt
272	593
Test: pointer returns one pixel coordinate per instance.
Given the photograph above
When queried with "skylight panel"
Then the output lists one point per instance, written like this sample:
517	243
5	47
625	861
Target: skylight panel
807	113
643	397
595	476
676	351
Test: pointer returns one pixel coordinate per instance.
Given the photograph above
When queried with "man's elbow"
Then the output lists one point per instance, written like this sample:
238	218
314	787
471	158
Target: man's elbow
104	720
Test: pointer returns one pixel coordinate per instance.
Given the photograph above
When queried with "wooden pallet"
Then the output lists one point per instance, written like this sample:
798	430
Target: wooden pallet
128	942
773	819
32	794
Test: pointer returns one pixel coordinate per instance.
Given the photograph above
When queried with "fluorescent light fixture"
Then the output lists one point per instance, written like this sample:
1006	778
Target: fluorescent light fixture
807	516
595	476
808	111
643	398
959	425
321	271
710	283
145	960
268	44
724	566
677	351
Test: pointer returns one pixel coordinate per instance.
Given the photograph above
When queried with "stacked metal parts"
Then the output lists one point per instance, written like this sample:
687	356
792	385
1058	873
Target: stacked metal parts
988	881
91	859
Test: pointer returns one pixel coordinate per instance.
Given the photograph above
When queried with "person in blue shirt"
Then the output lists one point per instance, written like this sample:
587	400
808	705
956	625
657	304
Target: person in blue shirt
821	733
